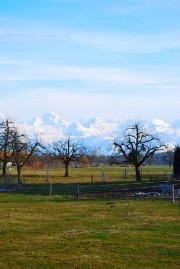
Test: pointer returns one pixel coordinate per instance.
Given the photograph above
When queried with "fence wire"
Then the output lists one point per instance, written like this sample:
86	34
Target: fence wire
133	190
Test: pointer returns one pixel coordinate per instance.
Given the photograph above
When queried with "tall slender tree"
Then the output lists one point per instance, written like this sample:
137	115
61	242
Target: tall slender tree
176	162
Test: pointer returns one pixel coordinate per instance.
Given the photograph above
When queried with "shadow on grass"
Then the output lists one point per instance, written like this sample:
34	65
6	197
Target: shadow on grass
46	189
63	188
70	189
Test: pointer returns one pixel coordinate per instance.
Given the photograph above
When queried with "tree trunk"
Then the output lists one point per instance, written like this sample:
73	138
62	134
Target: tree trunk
19	175
4	169
138	174
66	170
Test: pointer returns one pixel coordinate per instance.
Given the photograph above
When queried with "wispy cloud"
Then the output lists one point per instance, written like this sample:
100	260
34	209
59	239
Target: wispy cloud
141	82
64	1
73	105
130	43
114	54
114	76
140	6
11	62
127	43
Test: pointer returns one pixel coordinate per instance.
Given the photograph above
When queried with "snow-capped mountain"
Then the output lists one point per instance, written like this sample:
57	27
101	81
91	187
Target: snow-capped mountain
96	132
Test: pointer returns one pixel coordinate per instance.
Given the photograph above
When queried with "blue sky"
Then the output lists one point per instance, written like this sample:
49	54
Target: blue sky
116	59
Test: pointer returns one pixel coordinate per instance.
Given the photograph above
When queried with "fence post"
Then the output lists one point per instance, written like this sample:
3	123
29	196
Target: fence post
125	173
173	194
78	192
50	190
103	175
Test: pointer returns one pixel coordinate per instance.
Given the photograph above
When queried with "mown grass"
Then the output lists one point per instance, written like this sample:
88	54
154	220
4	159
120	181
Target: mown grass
39	231
56	232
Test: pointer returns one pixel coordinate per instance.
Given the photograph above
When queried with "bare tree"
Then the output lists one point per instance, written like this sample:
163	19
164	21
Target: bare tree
168	157
68	151
136	146
22	150
6	131
176	162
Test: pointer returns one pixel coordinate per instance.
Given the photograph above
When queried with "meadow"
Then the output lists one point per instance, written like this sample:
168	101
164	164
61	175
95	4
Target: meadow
84	174
39	231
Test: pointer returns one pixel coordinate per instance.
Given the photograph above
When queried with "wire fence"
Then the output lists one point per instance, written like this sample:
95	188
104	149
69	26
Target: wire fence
8	184
164	189
104	176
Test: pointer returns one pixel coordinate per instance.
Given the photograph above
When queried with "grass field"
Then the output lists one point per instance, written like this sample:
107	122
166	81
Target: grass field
85	174
38	231
43	232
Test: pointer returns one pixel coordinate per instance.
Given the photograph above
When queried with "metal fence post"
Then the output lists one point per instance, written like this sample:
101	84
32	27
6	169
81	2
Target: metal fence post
173	194
77	192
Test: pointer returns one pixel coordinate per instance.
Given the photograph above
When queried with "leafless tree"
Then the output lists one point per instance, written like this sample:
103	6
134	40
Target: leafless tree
168	157
6	131
136	146
68	151
176	162
22	150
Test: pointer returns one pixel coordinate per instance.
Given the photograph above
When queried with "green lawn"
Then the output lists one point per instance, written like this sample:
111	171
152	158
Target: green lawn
38	231
85	175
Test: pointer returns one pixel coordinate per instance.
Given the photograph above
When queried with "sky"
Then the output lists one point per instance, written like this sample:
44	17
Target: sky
117	59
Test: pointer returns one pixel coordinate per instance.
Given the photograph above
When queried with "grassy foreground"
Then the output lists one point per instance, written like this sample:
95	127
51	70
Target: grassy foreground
54	232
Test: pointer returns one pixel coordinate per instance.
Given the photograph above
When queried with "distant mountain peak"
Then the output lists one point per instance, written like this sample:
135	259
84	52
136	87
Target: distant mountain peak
96	131
47	119
50	118
158	122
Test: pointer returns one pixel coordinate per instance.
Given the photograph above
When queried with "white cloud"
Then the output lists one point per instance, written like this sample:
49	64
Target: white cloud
86	105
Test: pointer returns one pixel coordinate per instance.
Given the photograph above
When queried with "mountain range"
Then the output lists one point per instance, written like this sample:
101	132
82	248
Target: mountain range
96	132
